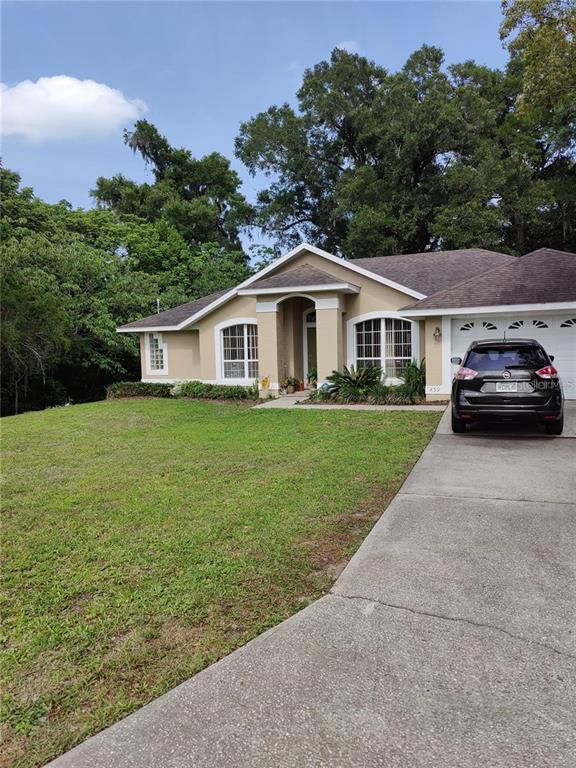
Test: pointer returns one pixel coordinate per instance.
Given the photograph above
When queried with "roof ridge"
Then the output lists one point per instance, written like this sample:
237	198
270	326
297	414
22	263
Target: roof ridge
432	253
547	248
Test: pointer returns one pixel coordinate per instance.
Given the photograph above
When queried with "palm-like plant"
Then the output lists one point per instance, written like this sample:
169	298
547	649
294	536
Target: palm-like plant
353	384
413	381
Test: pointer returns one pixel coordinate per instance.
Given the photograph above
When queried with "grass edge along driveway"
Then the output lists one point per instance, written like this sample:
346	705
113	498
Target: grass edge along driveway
145	539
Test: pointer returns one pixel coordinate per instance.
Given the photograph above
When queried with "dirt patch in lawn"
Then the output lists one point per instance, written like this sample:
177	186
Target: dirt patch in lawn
330	553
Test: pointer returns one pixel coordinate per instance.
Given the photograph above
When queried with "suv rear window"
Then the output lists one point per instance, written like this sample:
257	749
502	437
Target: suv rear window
497	358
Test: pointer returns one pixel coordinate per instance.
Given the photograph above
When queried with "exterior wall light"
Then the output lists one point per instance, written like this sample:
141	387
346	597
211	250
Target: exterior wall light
437	334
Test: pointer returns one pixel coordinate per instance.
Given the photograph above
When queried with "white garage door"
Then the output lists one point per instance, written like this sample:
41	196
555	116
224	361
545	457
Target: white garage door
556	333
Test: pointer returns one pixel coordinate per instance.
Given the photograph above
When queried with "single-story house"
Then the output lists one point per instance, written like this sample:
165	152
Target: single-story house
313	311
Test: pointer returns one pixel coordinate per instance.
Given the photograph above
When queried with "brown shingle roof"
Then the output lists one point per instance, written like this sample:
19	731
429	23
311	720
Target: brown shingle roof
299	276
432	271
175	315
458	278
539	277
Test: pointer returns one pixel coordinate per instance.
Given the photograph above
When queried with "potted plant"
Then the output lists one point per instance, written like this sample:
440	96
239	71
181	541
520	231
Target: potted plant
290	384
312	378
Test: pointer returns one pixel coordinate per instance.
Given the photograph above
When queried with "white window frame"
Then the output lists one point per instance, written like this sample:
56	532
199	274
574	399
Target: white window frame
351	338
219	351
163	346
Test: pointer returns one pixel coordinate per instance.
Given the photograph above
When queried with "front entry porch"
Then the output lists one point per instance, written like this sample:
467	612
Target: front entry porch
300	337
297	341
300	327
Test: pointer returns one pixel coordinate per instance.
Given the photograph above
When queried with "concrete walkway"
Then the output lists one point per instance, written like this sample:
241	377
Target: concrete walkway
293	401
448	641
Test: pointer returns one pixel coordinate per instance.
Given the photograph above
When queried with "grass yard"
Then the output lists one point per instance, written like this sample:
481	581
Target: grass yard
145	539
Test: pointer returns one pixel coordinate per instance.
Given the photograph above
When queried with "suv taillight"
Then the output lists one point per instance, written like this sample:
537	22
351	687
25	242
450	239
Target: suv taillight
548	372
465	373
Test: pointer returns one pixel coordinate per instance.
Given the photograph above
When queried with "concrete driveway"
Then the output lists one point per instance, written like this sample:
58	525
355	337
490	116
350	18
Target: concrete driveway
448	641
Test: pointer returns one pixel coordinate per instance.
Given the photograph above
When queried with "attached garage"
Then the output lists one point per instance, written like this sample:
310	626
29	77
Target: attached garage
530	297
556	333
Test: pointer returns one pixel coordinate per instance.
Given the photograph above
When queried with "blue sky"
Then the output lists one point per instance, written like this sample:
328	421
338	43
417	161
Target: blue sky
203	68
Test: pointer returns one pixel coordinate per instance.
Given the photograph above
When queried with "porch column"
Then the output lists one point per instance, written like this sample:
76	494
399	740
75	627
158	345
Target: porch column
329	347
268	345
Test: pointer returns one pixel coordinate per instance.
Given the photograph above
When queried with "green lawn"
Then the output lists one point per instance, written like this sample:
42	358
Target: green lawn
145	539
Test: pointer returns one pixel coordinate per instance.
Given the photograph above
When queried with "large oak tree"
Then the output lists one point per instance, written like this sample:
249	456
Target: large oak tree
373	162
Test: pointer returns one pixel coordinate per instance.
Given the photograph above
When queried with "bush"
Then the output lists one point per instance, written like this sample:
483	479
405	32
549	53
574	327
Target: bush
392	397
352	385
379	394
138	389
413	382
319	396
199	390
366	386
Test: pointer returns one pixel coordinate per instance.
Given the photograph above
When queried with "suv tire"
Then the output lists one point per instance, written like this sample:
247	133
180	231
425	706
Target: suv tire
555	427
458	426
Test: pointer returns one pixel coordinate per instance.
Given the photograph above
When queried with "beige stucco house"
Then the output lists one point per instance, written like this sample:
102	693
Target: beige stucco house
313	311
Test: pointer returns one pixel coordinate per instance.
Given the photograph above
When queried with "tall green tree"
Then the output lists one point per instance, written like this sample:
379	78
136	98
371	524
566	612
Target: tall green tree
70	277
543	34
199	198
373	162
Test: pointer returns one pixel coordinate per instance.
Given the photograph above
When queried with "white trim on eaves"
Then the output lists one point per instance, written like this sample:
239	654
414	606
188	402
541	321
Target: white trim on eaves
552	306
343	287
322	302
302	248
287	257
149	329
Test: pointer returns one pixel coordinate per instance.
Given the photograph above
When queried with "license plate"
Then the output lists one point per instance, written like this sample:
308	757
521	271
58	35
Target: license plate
506	386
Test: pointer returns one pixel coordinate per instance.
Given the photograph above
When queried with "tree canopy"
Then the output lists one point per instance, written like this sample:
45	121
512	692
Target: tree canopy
543	34
70	277
199	198
373	162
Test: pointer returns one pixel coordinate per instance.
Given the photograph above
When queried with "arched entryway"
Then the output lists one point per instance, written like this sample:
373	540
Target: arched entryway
297	337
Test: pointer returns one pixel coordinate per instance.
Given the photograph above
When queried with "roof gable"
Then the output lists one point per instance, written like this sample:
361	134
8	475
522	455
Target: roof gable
216	300
304	275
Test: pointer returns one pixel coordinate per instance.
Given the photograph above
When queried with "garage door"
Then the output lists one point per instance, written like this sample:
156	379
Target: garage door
556	333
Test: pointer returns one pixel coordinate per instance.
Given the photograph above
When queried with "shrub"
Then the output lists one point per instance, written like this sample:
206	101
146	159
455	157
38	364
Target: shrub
413	381
352	385
379	394
199	390
138	389
392	397
366	386
319	395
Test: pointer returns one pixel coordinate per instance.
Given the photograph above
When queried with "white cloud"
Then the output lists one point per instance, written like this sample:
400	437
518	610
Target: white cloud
63	107
352	46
